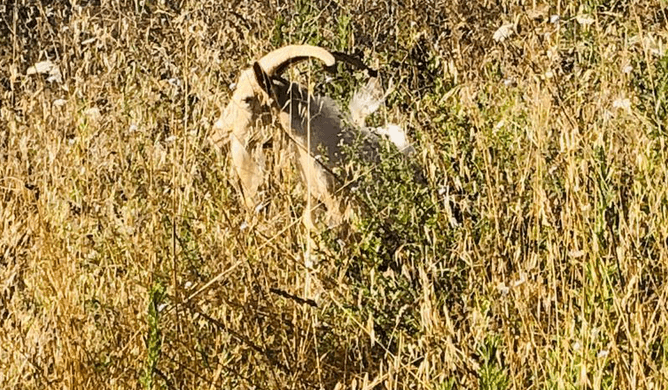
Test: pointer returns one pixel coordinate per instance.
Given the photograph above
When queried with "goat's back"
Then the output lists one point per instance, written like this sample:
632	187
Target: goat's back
328	128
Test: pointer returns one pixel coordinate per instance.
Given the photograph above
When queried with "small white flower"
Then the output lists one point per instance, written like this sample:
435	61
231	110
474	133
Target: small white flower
59	102
46	67
627	69
187	285
577	346
41	67
243	226
310	259
170	139
622	103
504	32
585	20
554	19
93	113
602	353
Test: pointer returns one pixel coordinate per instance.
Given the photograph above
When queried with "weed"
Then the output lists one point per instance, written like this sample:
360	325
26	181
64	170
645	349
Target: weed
154	336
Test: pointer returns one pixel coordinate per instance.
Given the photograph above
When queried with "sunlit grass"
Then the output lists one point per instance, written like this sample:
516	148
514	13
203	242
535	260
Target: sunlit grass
524	245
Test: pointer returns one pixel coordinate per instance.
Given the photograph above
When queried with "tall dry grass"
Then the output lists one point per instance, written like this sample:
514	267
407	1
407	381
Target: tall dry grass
535	256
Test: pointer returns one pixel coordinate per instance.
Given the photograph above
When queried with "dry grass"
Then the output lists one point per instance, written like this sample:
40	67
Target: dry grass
536	256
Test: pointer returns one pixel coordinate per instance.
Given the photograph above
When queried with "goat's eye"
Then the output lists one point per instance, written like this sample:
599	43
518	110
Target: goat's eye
249	100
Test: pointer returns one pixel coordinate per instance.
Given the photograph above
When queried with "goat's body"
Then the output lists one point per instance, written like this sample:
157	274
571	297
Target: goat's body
318	116
315	123
330	132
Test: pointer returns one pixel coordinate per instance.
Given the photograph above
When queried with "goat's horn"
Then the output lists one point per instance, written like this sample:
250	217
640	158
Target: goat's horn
277	61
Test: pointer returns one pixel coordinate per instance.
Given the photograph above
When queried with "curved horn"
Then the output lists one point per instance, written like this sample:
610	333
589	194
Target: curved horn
278	60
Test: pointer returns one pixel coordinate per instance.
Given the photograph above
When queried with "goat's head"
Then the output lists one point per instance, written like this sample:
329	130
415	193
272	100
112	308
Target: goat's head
253	98
255	91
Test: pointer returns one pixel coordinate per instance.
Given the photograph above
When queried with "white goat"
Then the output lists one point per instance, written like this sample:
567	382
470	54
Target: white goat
261	90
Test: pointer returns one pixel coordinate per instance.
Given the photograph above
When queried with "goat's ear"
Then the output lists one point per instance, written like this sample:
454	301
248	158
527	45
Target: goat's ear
262	79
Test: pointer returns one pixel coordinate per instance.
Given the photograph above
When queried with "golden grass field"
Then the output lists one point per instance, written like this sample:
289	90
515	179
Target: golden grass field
534	255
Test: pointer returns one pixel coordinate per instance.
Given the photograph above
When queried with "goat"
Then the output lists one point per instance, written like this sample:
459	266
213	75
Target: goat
314	122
